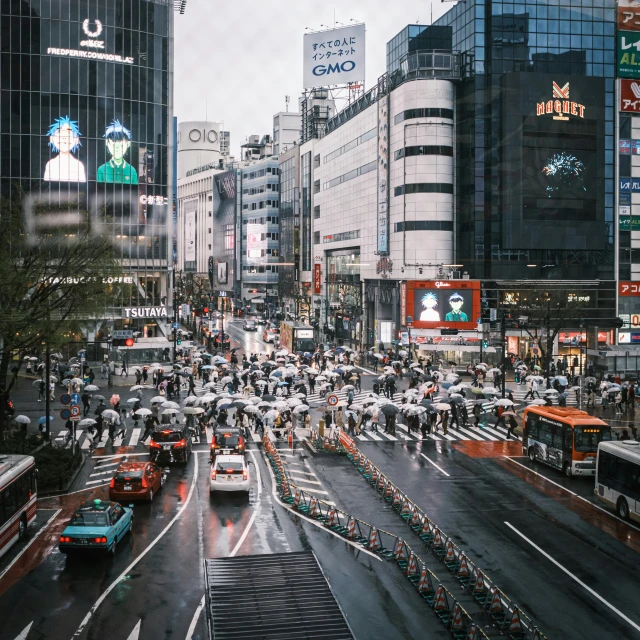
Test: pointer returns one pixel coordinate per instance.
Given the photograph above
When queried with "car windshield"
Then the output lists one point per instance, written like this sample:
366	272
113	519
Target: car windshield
166	436
89	519
128	475
234	467
228	441
586	438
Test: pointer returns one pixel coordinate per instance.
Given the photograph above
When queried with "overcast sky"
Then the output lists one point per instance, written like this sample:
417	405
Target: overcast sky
236	61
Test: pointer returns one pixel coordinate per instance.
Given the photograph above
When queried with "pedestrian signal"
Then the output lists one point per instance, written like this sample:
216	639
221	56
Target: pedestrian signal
129	342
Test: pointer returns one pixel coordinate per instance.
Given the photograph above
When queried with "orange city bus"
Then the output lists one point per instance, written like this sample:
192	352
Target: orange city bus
564	438
18	498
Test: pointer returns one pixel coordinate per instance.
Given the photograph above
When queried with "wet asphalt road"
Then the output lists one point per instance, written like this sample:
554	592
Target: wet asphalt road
475	502
153	587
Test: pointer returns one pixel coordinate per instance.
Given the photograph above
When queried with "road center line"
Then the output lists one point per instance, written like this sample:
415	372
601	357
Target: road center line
115	583
200	607
582	584
574	494
435	465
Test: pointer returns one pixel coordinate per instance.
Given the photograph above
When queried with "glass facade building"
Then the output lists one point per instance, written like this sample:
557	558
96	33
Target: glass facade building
416	37
85	106
535	139
289	222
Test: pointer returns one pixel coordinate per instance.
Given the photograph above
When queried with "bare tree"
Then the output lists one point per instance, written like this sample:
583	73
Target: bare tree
46	290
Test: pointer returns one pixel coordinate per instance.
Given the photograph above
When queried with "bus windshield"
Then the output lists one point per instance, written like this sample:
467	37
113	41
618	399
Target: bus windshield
586	438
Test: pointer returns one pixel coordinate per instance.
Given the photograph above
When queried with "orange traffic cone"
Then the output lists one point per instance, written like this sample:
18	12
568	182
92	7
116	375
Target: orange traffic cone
367	468
478	587
450	556
406	508
374	475
437	539
457	624
496	602
440	602
286	492
415	518
388	490
314	512
400	553
381	483
326	443
373	543
333	446
425	583
296	499
425	526
463	569
515	626
396	498
351	529
412	566
331	517
472	632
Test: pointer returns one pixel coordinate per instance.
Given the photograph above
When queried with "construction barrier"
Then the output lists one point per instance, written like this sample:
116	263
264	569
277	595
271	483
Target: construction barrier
505	615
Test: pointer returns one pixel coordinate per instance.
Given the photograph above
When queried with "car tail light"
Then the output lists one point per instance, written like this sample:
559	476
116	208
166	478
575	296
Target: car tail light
65	539
101	540
112	483
245	475
214	473
227	435
182	443
154	445
229	471
145	484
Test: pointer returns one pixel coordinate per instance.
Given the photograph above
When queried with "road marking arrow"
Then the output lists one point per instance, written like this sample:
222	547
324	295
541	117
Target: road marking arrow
25	633
135	634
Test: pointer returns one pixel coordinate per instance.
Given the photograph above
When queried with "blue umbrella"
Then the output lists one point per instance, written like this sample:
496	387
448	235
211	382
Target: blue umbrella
225	404
446	385
282	383
339	370
43	420
339	349
207	366
277	374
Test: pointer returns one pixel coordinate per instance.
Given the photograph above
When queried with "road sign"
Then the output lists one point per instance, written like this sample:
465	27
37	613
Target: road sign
75	398
535	351
176	325
65	414
332	399
65	398
75	410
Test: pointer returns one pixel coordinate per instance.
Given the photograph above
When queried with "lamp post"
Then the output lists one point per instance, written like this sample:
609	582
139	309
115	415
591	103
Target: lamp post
409	325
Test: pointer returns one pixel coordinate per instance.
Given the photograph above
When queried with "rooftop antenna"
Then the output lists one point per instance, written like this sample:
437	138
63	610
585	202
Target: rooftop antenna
287	99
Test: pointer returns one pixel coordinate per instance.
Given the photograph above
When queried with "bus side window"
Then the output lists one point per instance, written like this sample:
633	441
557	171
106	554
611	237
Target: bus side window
7	504
545	436
567	441
532	426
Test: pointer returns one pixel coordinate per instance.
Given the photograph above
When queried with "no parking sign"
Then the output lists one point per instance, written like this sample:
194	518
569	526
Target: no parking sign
332	400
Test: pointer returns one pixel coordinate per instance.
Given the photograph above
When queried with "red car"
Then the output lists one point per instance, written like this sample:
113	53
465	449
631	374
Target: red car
136	481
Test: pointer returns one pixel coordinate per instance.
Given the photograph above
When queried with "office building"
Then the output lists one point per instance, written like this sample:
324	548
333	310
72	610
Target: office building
201	144
286	131
79	69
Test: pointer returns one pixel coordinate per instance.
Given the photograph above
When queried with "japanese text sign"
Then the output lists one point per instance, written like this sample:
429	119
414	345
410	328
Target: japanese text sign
629	96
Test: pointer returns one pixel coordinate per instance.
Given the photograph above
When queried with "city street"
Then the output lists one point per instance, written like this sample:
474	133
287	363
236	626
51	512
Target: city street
537	534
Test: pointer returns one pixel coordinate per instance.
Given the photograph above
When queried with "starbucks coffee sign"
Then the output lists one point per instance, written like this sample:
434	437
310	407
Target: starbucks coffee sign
145	312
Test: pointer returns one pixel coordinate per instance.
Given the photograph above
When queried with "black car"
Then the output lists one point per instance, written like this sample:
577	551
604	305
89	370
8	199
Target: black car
227	441
249	325
170	443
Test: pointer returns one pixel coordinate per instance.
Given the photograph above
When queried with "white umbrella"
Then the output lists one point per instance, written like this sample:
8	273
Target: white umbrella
110	414
456	395
170	405
251	408
348	387
443	406
143	412
294	402
91	387
264	405
504	402
86	422
537	401
209	397
271	414
157	399
300	409
490	390
137	387
280	405
189	399
169	412
550	392
22	419
192	411
133	400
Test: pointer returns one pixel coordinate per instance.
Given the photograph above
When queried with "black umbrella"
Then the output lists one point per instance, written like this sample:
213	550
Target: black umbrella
301	388
389	409
238	404
457	400
426	402
269	398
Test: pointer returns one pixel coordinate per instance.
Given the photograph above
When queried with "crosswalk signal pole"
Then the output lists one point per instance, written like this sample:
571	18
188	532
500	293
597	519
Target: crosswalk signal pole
503	337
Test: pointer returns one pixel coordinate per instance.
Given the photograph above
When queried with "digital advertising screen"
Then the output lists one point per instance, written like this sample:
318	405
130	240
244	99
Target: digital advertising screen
552	170
443	304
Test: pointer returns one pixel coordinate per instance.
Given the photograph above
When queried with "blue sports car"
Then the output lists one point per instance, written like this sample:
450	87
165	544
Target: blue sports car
97	525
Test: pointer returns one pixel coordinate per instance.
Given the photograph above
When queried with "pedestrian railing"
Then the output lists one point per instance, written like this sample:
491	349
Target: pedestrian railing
504	614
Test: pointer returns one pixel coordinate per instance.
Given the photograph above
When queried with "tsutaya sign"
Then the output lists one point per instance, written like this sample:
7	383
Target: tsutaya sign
561	106
145	312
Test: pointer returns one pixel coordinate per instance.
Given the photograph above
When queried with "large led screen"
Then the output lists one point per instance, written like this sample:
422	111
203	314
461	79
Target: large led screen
443	304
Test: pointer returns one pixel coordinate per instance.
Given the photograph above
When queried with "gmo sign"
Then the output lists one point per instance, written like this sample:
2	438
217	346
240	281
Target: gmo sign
322	69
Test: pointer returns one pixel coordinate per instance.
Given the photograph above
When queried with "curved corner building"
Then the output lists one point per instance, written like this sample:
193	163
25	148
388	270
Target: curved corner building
84	115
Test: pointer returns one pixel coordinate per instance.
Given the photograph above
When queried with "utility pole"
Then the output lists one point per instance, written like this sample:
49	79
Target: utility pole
47	393
549	348
503	337
175	315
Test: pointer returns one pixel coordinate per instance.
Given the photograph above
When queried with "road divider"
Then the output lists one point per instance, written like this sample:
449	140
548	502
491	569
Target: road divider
503	613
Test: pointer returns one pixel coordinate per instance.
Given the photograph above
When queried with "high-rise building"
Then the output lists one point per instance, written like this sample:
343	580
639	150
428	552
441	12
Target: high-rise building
200	144
225	143
86	115
286	131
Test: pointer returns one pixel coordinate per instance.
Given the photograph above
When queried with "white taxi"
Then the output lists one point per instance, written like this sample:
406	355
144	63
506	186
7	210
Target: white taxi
229	473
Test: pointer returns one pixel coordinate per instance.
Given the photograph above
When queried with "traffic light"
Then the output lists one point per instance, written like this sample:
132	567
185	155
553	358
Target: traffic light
485	344
179	341
129	342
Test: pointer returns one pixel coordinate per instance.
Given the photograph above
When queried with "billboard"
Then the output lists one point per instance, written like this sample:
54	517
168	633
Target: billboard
629	96
435	304
552	169
629	15
383	176
335	56
190	208
225	224
629	54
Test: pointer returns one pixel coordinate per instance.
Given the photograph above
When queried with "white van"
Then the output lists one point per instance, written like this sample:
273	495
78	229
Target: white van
618	477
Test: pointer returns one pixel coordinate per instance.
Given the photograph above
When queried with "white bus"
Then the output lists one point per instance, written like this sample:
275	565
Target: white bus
18	498
618	477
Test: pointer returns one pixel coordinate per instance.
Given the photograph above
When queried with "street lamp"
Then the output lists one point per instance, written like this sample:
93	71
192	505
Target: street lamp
409	325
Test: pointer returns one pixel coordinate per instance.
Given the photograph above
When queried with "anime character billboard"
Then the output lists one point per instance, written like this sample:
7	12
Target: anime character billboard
117	170
64	139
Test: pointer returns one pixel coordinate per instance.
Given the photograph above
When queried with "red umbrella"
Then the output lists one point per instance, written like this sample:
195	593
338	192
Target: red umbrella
115	398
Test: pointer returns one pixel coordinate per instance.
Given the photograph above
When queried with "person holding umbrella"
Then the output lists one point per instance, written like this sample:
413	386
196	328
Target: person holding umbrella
86	403
512	423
